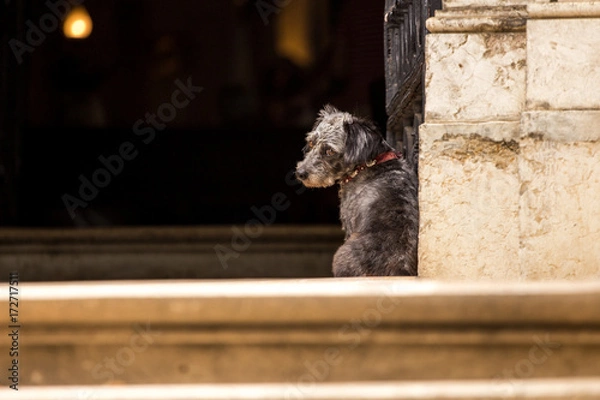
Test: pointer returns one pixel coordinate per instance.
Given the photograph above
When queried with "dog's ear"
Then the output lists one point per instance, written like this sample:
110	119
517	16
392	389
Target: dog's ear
327	110
363	142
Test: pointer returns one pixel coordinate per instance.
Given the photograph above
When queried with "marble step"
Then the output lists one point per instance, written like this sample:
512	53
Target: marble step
530	389
206	252
303	330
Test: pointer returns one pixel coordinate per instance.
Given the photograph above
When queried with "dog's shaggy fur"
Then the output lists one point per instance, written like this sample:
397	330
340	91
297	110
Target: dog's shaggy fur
379	208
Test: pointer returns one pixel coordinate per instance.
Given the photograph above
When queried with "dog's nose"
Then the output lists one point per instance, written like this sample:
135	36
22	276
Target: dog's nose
301	174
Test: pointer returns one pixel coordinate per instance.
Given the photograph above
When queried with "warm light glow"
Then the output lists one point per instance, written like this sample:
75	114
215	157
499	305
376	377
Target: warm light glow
293	33
78	28
78	24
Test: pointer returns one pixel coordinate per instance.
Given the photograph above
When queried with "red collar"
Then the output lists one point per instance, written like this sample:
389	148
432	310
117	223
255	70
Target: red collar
383	157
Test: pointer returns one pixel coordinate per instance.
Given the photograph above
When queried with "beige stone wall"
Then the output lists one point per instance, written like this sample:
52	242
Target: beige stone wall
510	150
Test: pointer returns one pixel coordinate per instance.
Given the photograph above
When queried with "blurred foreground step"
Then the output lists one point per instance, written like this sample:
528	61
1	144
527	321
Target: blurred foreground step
534	389
303	331
205	252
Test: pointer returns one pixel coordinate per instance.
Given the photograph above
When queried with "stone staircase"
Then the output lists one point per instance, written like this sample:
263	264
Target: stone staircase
265	251
555	389
376	338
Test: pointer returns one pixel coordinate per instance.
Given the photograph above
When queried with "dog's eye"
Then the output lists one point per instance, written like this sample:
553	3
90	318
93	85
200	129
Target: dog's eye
328	151
309	145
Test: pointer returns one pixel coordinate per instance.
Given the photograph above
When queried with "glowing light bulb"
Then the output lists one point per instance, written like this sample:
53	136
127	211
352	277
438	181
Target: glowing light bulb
78	24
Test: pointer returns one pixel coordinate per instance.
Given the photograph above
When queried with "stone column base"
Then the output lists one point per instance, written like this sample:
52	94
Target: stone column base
510	149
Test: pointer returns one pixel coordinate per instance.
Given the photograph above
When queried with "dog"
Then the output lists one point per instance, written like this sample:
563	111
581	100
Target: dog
377	190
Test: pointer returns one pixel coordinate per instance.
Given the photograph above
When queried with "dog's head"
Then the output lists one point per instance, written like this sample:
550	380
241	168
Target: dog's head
337	144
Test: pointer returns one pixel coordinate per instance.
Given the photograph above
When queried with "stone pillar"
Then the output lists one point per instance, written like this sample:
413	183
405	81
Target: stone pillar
510	152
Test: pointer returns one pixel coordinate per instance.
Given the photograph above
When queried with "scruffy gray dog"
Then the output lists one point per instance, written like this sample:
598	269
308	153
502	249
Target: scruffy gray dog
378	194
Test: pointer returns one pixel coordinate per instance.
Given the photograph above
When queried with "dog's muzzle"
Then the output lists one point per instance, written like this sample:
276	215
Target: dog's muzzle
301	174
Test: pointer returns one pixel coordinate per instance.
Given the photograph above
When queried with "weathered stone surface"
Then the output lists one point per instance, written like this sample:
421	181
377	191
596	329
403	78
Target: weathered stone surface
563	58
469	188
534	216
564	9
564	126
478	20
475	77
460	4
560	185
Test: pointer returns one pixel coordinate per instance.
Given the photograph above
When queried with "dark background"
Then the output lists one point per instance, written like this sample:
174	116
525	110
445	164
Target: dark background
264	75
